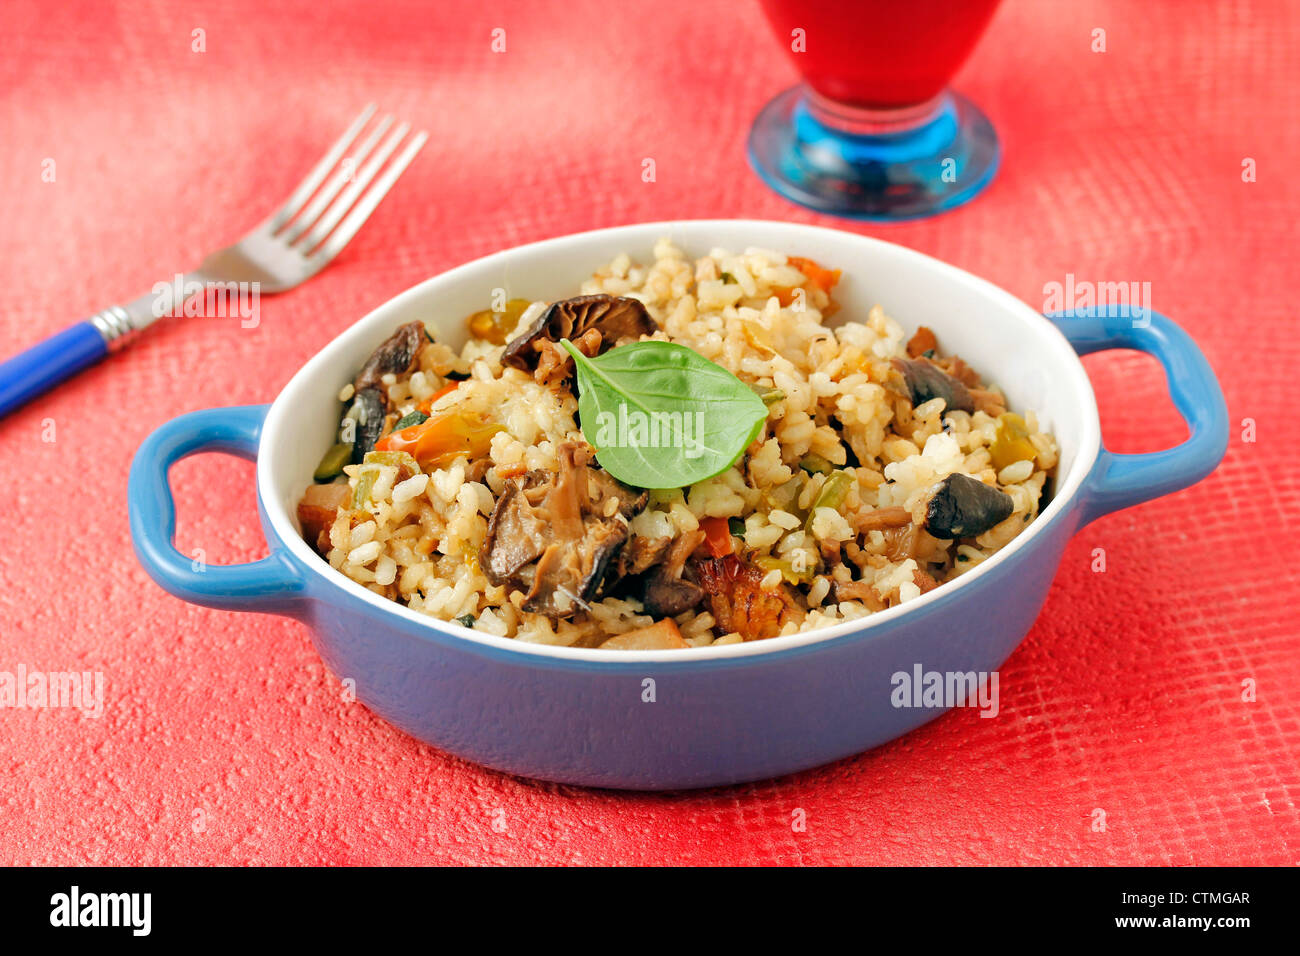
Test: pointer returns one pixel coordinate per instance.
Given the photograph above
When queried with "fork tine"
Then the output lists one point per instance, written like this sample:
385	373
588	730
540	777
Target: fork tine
340	206
367	203
334	184
308	186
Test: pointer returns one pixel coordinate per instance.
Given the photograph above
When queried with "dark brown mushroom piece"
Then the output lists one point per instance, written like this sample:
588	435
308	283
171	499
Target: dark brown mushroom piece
517	533
568	575
961	507
368	411
395	356
925	380
666	593
640	554
603	487
554	537
616	318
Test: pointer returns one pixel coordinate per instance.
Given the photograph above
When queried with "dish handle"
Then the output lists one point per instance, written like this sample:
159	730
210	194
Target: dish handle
1119	481
271	585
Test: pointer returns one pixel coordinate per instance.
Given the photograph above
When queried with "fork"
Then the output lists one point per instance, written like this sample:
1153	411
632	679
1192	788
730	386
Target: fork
300	239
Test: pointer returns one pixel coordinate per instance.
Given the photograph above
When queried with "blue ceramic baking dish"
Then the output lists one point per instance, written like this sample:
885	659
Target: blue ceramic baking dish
709	716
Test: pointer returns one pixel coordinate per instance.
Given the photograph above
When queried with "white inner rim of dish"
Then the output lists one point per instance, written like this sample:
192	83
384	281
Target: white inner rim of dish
1005	340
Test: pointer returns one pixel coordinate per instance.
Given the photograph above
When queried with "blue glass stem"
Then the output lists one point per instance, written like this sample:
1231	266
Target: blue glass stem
945	159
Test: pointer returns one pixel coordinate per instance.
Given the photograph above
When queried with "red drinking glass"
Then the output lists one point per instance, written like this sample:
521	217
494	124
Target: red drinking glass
873	131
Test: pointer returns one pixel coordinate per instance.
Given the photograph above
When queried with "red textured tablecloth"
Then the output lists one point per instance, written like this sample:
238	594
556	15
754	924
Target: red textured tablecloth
224	740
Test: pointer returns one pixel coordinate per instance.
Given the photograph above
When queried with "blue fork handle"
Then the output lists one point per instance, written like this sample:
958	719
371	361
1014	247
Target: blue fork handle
1119	481
48	363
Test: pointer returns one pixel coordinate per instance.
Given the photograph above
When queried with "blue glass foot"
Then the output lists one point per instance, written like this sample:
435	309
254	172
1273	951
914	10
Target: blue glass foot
937	165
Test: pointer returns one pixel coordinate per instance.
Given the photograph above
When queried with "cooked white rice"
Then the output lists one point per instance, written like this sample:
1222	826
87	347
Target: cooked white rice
418	540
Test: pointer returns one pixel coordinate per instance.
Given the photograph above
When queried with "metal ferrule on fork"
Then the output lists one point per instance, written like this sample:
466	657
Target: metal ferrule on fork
114	324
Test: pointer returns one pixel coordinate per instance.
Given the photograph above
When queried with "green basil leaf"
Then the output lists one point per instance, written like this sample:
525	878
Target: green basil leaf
661	415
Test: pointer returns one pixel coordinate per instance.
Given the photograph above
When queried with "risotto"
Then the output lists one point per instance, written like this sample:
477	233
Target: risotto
872	468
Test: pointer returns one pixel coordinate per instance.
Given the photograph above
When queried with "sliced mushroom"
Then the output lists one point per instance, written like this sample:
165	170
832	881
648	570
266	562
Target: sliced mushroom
857	591
961	507
739	602
368	411
880	519
395	356
925	380
667	593
568	574
604	487
518	532
616	318
554	364
864	592
640	554
554	537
